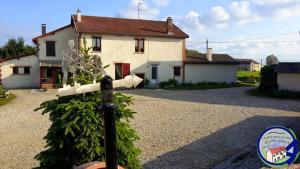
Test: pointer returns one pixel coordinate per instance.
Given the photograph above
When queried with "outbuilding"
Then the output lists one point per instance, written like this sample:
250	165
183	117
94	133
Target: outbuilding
20	72
288	76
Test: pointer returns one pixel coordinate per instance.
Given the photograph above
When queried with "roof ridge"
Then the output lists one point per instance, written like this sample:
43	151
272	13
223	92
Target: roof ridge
110	17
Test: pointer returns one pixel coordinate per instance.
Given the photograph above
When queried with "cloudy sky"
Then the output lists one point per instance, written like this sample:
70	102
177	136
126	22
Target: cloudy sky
258	27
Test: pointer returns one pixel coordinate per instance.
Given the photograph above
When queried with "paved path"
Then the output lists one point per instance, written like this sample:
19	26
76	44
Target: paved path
178	129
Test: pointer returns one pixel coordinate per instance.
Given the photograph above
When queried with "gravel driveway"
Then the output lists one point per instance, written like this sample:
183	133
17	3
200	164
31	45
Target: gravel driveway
178	129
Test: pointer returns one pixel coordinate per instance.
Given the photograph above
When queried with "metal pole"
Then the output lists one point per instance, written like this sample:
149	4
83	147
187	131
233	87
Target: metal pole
108	108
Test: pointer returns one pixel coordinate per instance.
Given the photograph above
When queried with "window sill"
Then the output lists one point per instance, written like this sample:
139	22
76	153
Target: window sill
21	74
138	52
95	51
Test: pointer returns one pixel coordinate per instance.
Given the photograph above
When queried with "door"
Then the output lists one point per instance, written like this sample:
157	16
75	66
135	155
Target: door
154	74
122	70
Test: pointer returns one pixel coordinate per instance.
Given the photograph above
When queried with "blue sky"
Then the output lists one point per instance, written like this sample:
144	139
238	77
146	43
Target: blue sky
218	20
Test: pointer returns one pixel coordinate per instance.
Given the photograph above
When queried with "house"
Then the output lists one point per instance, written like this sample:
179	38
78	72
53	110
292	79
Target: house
248	65
20	72
288	76
153	50
209	67
276	154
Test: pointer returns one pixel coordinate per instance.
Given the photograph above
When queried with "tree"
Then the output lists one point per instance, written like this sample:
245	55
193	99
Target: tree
190	53
76	135
272	60
16	47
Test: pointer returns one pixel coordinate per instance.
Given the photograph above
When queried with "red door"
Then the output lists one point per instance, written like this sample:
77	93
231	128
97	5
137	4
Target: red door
125	69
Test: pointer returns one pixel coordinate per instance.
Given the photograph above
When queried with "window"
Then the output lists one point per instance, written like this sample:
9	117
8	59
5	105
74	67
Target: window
15	70
27	70
96	43
50	48
139	45
177	71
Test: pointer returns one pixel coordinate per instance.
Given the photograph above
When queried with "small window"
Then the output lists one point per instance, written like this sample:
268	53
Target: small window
139	45
50	48
27	70
15	70
177	71
96	44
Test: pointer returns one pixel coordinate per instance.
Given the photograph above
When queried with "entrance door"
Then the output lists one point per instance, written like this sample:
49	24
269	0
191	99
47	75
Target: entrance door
121	70
154	74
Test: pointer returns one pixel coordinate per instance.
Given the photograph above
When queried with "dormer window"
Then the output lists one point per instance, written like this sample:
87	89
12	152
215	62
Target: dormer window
96	44
139	45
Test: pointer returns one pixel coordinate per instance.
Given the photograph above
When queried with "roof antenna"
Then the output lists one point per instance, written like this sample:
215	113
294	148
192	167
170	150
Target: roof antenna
140	3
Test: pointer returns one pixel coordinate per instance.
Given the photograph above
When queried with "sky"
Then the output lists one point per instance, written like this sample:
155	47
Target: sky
246	29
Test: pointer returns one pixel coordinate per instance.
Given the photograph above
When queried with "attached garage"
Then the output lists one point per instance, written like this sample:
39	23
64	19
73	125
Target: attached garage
20	72
217	68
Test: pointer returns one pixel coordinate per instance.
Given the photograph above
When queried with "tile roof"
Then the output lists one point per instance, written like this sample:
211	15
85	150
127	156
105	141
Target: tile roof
288	67
121	26
216	59
277	149
16	57
51	33
246	61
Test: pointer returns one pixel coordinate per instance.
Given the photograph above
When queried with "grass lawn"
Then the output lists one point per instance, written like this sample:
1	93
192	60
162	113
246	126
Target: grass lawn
4	101
247	74
205	86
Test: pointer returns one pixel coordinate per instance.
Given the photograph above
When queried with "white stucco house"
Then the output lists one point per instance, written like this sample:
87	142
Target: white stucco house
276	154
288	76
153	50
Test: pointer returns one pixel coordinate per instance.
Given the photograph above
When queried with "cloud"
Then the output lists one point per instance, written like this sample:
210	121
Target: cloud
218	17
191	22
273	2
146	12
242	12
161	3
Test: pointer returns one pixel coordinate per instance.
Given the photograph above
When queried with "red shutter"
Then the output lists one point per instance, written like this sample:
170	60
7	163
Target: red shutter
125	69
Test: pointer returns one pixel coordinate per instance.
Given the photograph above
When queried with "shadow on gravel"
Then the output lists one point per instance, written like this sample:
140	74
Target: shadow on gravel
230	96
209	151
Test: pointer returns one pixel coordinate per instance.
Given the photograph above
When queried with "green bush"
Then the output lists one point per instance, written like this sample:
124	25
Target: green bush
2	92
169	84
76	134
268	82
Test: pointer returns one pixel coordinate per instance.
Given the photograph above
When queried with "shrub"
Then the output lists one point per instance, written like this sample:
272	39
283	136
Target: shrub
2	92
268	79
169	84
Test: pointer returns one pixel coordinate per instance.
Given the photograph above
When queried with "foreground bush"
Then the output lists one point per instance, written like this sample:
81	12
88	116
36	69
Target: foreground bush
76	135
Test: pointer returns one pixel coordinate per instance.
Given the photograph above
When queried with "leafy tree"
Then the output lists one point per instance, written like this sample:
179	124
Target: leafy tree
190	52
272	60
76	135
16	47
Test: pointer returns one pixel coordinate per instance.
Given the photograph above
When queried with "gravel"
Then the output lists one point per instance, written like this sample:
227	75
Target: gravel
178	129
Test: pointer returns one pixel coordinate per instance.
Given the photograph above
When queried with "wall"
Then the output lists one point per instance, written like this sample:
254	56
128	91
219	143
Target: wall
61	38
195	73
21	81
288	81
165	52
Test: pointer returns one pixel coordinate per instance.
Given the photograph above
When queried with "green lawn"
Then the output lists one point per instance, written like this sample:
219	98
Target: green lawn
4	101
247	74
205	86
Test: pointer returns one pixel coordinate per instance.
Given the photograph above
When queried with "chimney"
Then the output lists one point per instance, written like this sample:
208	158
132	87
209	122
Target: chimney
44	29
78	15
209	54
170	26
